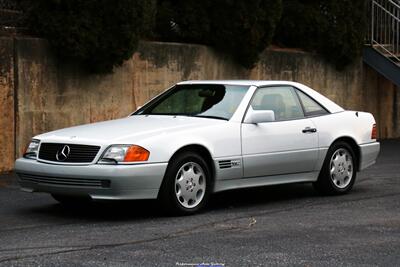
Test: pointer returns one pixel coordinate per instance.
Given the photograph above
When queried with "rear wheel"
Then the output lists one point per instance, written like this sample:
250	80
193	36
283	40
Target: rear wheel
186	184
338	172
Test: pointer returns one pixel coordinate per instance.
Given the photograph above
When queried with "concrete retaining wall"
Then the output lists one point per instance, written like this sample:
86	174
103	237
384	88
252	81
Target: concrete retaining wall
53	95
7	111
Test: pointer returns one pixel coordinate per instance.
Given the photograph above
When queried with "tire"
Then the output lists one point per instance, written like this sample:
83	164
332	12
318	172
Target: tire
71	200
186	186
338	172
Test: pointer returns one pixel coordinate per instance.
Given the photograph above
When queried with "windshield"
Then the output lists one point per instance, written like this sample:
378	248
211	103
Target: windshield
198	100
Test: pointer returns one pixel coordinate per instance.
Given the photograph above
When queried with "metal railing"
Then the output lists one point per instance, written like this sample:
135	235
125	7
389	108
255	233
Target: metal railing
384	30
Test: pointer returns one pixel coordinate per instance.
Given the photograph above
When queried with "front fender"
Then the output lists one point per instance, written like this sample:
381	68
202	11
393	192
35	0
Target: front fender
222	140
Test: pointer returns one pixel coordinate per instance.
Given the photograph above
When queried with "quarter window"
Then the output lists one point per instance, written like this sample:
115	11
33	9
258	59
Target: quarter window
282	100
311	107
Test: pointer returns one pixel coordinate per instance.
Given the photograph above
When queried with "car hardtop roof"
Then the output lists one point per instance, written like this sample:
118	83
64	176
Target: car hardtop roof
328	104
257	83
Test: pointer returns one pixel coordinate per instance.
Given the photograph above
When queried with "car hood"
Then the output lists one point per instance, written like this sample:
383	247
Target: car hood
127	130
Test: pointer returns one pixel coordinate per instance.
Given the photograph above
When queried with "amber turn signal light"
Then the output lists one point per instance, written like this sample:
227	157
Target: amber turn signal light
374	132
136	153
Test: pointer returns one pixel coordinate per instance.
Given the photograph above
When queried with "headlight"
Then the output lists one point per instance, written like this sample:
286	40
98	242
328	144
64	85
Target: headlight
124	153
32	149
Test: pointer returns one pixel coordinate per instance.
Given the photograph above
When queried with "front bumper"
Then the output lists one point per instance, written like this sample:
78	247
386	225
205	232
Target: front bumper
101	182
368	154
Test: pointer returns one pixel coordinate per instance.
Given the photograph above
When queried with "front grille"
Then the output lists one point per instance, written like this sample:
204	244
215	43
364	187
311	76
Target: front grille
77	153
64	181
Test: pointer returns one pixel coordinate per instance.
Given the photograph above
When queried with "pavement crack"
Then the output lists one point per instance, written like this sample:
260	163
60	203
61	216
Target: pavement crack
149	240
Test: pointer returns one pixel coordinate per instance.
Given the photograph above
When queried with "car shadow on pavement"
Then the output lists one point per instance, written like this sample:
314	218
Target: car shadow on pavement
260	196
250	198
100	211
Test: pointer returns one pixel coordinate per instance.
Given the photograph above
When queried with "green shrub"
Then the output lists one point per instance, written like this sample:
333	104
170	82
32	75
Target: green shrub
239	28
183	21
244	28
99	34
335	29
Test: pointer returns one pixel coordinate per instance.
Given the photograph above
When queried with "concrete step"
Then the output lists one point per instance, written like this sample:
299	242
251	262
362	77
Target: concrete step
388	51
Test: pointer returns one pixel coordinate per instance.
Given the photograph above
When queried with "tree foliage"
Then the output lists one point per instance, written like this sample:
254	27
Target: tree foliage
99	34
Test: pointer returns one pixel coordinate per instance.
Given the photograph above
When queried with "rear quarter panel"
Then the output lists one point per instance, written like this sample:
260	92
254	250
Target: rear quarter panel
344	124
352	124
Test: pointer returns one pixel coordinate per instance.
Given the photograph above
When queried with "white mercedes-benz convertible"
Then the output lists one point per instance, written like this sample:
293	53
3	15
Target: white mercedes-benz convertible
201	137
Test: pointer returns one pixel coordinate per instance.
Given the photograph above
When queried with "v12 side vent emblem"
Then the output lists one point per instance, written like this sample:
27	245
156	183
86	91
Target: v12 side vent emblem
225	164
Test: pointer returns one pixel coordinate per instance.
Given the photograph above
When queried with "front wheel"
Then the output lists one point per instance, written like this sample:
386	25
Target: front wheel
338	172
186	184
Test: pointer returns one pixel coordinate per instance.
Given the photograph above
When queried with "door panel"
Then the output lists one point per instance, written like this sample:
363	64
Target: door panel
278	148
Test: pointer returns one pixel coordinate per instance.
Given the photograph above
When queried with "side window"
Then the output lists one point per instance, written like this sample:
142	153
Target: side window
282	100
311	107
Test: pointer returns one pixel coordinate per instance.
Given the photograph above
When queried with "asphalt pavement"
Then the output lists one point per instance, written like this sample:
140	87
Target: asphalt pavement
288	225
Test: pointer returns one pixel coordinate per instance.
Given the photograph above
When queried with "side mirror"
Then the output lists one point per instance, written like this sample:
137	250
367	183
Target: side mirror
259	116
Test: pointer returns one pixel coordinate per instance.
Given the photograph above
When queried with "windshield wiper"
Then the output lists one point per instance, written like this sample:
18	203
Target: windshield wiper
162	114
187	115
211	117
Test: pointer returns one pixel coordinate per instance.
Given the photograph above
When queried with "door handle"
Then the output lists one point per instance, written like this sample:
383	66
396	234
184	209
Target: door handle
309	130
